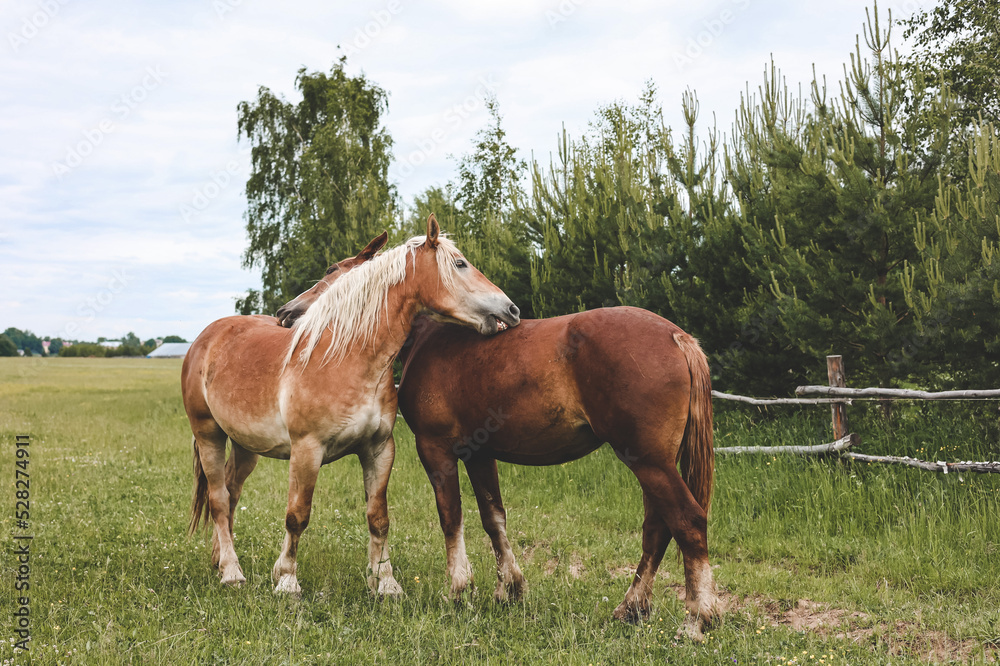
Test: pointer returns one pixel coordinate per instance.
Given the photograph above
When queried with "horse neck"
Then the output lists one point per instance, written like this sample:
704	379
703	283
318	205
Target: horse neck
401	307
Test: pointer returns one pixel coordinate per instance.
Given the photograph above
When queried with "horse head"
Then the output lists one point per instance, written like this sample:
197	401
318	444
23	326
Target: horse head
452	290
295	308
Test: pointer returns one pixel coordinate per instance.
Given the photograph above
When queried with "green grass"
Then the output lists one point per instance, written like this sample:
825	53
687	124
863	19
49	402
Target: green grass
115	579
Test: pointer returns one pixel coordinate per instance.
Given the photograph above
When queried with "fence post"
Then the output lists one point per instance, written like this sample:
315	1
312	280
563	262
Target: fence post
835	373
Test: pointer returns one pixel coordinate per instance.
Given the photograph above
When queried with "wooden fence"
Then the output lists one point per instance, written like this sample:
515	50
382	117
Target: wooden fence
839	397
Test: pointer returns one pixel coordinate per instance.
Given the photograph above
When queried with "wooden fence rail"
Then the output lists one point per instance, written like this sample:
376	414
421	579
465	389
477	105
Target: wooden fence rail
838	396
896	394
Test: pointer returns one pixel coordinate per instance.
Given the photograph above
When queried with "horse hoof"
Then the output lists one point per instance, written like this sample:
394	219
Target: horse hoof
691	629
235	580
389	588
631	613
458	594
508	592
289	585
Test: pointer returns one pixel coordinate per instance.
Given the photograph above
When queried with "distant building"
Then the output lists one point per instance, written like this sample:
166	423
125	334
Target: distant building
111	344
170	350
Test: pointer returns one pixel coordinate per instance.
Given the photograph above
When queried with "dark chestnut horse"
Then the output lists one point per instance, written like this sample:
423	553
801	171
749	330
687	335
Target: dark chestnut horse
249	380
551	391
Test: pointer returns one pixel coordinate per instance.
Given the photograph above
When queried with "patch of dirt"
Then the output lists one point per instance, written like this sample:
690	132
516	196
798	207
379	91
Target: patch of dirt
900	638
551	565
811	616
576	567
628	571
528	553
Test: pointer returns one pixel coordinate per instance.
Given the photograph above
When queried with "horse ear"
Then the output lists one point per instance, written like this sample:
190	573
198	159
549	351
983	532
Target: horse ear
433	229
373	247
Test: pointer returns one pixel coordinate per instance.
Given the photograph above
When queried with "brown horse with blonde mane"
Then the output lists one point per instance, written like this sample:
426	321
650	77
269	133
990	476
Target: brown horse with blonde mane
249	380
554	390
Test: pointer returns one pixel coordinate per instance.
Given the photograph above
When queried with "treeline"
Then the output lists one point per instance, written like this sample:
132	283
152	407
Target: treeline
865	222
15	342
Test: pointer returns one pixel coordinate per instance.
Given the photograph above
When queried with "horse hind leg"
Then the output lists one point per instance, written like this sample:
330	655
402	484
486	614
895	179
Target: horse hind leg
303	470
486	484
212	456
377	465
688	525
655	539
239	466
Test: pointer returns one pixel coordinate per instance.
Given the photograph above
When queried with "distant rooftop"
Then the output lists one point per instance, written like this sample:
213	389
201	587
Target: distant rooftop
170	350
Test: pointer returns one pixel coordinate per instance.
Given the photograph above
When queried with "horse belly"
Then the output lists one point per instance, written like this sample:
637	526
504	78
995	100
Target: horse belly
550	446
364	426
262	434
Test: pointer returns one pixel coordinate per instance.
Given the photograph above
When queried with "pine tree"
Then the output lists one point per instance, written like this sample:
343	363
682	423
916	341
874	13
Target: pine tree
481	211
833	191
953	289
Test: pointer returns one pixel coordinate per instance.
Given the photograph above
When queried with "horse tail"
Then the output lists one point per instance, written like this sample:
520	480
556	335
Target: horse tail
697	455
199	503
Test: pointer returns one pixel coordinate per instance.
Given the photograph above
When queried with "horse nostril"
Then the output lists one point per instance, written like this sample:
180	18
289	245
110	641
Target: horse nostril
514	312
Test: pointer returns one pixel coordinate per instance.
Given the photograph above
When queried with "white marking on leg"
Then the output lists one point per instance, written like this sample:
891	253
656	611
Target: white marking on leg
283	575
459	567
377	465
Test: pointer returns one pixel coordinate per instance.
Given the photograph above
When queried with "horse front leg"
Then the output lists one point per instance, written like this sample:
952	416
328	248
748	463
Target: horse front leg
486	484
377	465
440	463
304	463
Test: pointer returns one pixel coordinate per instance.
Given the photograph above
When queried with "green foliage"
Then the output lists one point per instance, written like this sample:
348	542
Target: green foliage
25	340
250	303
128	349
957	44
84	349
173	338
832	190
589	207
953	288
481	212
7	346
318	189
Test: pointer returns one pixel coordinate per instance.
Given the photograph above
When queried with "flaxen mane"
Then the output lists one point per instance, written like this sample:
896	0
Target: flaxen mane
352	307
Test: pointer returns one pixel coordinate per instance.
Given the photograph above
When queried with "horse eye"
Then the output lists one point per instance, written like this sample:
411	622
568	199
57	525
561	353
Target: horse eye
460	263
331	269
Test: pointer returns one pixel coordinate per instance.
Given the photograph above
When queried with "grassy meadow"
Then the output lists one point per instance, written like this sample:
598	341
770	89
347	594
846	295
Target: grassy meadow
821	562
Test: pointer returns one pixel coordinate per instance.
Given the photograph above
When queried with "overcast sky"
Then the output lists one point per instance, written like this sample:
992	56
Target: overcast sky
121	178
